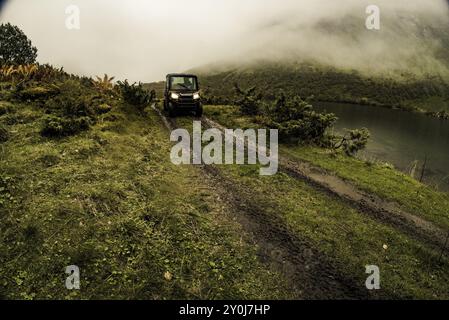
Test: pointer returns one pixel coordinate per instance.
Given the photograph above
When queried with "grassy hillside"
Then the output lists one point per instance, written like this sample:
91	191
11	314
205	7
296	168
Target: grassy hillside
86	179
109	201
158	87
428	94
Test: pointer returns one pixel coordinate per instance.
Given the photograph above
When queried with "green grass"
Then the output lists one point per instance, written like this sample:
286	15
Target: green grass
229	116
380	179
109	201
349	238
431	104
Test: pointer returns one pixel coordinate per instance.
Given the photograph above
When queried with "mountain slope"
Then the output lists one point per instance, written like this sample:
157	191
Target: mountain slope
429	93
335	57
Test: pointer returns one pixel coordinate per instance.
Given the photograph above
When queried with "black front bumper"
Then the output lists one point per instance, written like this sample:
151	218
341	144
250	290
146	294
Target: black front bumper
185	105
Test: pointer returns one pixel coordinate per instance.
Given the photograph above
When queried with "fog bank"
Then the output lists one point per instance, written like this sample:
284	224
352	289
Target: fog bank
143	40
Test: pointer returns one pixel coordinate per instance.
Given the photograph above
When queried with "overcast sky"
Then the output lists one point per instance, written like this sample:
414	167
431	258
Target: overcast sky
145	39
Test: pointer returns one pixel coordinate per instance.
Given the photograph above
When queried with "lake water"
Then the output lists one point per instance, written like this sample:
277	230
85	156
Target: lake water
400	138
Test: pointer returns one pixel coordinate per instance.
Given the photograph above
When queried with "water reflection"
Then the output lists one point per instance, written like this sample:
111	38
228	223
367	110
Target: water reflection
400	138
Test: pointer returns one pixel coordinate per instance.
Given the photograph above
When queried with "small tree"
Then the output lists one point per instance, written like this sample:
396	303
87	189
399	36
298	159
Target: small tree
15	47
297	121
249	101
353	141
135	94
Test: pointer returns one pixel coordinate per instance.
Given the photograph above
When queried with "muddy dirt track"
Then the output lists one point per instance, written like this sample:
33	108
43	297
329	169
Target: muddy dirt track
312	275
385	211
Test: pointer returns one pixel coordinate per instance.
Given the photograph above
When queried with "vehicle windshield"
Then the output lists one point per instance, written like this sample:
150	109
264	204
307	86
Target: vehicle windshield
183	83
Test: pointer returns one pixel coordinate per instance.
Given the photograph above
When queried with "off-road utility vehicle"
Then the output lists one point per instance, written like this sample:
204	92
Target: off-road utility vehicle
182	94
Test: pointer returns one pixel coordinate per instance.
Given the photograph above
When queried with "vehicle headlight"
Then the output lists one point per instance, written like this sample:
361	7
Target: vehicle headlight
174	96
196	96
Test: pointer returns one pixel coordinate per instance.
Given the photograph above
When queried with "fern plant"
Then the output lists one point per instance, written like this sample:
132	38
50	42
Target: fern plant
22	73
7	72
104	84
26	71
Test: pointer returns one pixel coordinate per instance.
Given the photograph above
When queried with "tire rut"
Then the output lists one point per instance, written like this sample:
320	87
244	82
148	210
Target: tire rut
311	274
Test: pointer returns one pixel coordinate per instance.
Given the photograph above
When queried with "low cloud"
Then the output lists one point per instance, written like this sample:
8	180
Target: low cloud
143	40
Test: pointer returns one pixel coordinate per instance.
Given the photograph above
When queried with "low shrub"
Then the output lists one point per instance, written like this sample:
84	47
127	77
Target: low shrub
210	99
353	141
49	74
135	94
249	101
75	100
296	120
103	108
39	92
54	126
72	101
69	106
73	109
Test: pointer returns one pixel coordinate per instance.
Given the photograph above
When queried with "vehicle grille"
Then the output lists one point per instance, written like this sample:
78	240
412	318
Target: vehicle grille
186	99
